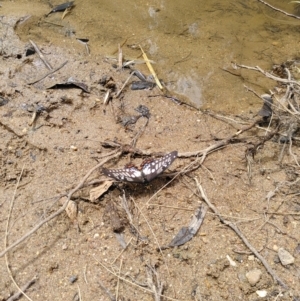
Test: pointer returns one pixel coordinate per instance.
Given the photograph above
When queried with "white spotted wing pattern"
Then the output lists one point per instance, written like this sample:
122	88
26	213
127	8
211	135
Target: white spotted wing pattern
146	173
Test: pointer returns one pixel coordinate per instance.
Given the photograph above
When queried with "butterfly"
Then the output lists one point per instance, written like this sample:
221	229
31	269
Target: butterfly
148	170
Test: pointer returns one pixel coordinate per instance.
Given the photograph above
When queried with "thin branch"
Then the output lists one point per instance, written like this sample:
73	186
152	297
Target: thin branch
132	283
36	48
107	291
62	209
242	237
199	153
123	250
84	274
21	292
17	295
154	282
78	294
151	230
124	85
139	134
10	129
47	74
269	75
279	10
118	281
218	145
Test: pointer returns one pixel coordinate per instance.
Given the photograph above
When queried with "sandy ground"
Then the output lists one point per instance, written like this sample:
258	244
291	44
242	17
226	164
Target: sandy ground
83	258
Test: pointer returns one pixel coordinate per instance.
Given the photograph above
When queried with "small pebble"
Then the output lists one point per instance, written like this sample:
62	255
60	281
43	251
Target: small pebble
242	277
231	261
239	258
297	250
73	279
285	257
205	240
262	293
254	276
276	259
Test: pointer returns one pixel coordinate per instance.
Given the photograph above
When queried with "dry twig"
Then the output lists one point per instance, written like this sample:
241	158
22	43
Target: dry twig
18	295
157	81
62	209
10	129
47	74
123	250
279	10
107	291
36	48
154	282
139	133
269	75
129	282
21	292
118	281
125	84
199	153
242	237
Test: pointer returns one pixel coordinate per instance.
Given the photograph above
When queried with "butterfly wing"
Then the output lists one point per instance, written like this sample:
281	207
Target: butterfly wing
152	169
131	174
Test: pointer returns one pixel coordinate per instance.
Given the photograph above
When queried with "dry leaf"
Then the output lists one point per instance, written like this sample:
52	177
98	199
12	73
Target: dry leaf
187	233
96	192
71	208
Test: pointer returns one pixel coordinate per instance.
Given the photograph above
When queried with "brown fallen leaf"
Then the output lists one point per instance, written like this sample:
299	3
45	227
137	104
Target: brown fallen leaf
96	192
71	208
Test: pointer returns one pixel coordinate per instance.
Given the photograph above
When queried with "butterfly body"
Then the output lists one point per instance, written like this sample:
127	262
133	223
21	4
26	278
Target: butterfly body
148	170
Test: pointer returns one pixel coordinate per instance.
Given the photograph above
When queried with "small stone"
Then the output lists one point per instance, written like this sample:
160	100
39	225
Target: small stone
262	293
276	258
285	257
251	257
253	276
73	279
205	240
231	261
239	258
296	252
242	277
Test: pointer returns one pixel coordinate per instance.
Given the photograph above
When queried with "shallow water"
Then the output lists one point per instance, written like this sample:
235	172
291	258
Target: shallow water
190	41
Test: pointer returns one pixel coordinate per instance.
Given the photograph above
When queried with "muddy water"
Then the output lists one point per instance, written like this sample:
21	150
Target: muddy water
190	41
